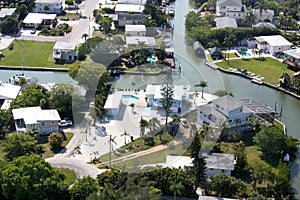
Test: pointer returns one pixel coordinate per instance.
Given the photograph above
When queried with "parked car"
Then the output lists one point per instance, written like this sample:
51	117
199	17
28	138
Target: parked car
65	123
184	122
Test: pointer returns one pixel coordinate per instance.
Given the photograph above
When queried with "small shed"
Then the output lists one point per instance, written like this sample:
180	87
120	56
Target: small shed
198	48
216	53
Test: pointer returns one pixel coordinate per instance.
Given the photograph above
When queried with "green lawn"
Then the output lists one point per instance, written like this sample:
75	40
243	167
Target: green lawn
70	175
269	68
47	152
30	53
70	16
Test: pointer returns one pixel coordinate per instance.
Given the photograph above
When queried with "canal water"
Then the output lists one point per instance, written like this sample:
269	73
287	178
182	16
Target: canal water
193	71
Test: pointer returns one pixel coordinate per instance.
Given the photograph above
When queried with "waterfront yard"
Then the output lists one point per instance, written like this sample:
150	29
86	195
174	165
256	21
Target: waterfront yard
29	53
268	68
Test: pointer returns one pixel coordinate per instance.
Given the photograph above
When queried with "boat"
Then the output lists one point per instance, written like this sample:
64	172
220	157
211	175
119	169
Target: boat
257	81
18	77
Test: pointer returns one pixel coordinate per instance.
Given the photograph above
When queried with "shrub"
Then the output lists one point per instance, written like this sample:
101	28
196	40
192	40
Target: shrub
56	140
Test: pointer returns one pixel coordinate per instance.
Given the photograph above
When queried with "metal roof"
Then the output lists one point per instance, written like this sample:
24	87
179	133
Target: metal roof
222	22
6	12
65	45
219	161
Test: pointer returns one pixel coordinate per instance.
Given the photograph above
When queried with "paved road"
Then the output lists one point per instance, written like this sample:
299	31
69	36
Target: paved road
81	168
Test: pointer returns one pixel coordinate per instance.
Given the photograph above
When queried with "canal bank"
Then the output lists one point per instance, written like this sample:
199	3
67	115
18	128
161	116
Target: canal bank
20	68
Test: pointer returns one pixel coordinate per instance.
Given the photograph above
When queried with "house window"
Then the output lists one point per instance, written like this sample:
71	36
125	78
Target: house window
223	171
241	110
52	122
230	120
217	106
43	124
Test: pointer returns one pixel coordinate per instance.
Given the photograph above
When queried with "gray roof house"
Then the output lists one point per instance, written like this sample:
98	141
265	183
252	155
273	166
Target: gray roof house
219	163
4	12
223	22
45	121
134	41
65	52
230	8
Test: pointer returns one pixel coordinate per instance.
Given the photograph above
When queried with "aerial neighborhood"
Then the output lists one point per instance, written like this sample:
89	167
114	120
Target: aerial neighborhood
149	99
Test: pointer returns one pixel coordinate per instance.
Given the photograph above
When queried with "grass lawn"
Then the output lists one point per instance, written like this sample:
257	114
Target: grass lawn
259	67
30	53
47	152
70	175
70	16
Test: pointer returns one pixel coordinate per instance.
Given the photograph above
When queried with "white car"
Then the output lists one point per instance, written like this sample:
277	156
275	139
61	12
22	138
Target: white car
184	122
65	123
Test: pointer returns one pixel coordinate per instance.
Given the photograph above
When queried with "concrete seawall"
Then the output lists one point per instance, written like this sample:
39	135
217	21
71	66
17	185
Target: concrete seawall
34	68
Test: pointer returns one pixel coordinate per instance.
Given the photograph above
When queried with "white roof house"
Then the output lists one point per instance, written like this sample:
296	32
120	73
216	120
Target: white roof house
46	121
223	22
4	12
273	43
135	30
213	198
49	1
65	51
293	56
37	18
8	92
129	8
54	6
140	2
113	104
65	45
135	40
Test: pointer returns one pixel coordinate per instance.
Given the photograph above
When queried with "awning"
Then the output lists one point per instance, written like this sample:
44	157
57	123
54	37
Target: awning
290	63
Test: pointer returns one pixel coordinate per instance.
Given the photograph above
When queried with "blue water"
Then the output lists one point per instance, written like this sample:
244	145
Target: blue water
130	97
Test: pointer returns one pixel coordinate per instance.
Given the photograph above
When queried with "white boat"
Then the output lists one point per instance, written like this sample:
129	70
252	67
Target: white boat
18	77
257	81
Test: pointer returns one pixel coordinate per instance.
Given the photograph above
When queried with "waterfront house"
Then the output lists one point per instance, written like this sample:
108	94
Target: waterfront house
230	8
219	163
5	12
34	20
292	58
44	121
216	53
223	22
121	19
8	92
273	44
154	96
226	108
113	104
65	52
135	30
137	41
48	6
265	15
235	112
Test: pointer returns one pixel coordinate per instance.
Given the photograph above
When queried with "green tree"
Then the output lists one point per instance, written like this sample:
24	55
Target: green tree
83	188
55	140
227	186
10	25
69	2
132	106
16	145
229	41
176	188
250	16
199	163
34	95
125	134
111	140
167	93
105	23
30	177
261	6
271	141
143	124
107	192
6	122
202	84
85	35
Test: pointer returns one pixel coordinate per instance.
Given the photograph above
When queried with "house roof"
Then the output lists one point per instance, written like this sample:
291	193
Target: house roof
264	24
222	22
216	51
219	161
49	1
127	16
9	91
140	2
209	109
113	101
129	8
228	103
264	12
138	28
179	161
295	53
230	3
6	12
37	18
33	115
179	91
65	45
255	106
274	40
134	40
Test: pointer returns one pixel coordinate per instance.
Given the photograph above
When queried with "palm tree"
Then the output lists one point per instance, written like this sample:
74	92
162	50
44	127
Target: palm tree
261	5
111	139
195	94
250	16
85	35
214	43
125	134
143	124
229	41
132	106
202	84
176	188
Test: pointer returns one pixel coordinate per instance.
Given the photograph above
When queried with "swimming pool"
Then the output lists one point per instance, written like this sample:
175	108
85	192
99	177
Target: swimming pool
130	97
151	59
